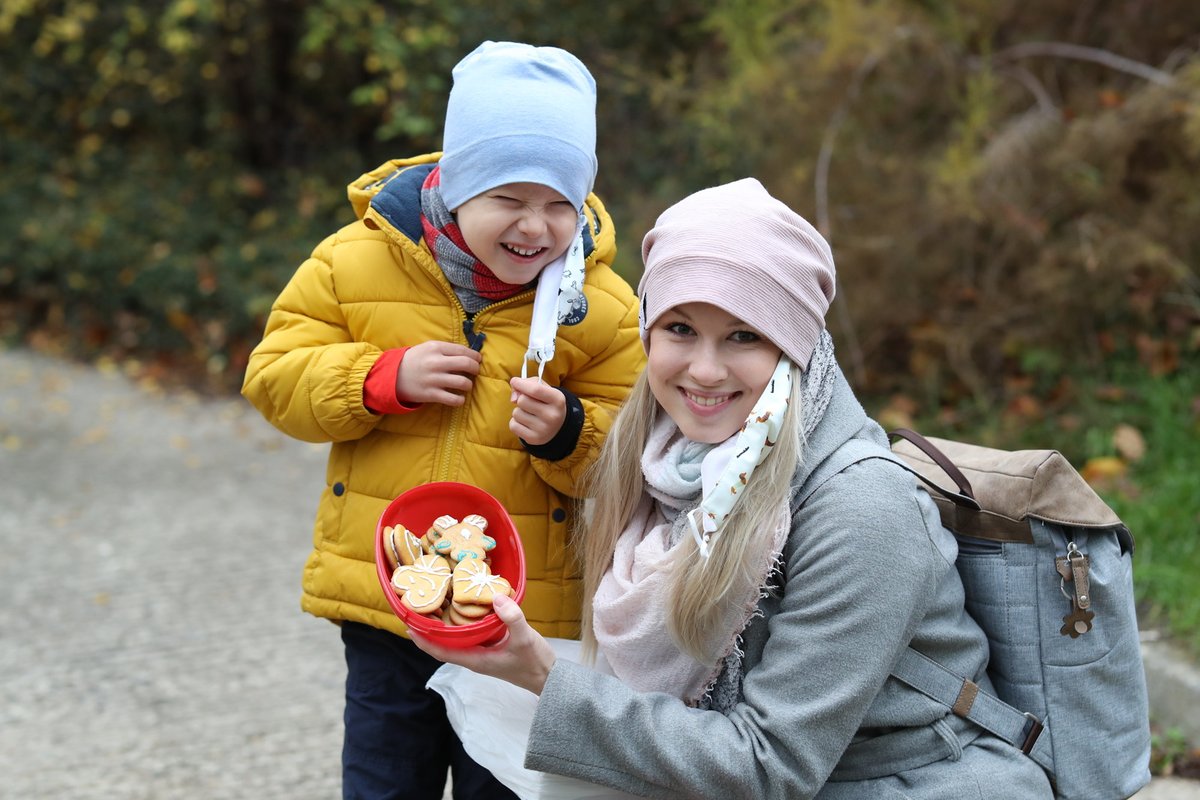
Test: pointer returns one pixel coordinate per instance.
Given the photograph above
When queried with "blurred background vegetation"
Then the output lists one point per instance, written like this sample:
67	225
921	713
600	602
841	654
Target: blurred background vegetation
1011	189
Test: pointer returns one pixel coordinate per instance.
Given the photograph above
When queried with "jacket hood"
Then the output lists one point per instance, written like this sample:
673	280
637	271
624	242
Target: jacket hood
362	190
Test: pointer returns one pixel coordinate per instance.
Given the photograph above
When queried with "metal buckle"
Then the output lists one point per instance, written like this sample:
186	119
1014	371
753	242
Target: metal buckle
1033	729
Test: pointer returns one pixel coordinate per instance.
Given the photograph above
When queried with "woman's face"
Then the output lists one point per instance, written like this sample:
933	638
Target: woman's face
707	369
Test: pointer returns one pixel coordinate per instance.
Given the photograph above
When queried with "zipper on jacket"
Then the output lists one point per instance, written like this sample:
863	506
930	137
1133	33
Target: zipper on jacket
474	339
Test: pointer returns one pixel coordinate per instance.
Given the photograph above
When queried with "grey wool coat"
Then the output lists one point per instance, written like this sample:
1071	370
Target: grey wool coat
867	570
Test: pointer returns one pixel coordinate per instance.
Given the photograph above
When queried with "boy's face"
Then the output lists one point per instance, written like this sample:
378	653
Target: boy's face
517	229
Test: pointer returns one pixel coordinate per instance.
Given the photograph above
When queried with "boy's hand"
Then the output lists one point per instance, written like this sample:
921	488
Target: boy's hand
540	410
523	657
437	372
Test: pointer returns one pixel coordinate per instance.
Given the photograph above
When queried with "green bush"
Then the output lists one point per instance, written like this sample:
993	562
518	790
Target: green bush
153	254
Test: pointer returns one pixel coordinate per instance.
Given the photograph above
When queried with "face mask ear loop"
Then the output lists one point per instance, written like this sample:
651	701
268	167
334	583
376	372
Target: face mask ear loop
540	370
702	539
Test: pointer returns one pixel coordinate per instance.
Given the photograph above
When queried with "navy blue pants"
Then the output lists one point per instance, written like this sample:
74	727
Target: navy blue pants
399	744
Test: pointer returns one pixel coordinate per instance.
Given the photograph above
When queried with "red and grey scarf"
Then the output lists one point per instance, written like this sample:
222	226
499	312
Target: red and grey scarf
475	285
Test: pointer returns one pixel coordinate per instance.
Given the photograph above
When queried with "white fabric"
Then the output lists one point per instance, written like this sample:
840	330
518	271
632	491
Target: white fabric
492	718
559	294
753	444
671	465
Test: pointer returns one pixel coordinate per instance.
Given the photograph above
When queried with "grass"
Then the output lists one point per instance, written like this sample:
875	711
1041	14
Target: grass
1160	502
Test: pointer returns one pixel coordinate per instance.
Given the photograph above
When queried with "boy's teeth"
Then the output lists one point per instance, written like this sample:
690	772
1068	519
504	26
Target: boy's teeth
521	251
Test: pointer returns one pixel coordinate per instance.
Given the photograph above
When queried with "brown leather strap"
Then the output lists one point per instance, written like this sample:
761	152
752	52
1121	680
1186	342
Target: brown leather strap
966	698
1035	728
939	458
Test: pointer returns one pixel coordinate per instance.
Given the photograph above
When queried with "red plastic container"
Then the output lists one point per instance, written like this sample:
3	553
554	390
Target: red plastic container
416	510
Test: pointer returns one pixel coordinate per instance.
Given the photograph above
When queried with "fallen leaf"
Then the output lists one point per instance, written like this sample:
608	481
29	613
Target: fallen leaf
1025	406
1103	468
1129	442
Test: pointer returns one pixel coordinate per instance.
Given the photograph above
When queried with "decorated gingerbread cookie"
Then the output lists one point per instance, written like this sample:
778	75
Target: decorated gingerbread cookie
423	585
429	539
401	546
474	584
460	540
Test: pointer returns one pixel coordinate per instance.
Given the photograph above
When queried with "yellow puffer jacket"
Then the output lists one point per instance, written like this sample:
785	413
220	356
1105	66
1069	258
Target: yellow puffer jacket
374	286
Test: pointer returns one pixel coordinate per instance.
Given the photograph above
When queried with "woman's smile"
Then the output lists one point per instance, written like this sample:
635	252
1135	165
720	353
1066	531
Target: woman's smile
708	401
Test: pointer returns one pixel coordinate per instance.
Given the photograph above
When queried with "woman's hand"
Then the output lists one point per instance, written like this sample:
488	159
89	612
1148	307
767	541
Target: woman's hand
540	410
522	657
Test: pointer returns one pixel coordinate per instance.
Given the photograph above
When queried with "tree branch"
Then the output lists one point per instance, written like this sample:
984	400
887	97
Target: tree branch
1082	53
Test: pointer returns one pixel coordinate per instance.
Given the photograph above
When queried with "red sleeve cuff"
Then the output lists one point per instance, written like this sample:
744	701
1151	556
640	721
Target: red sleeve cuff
379	389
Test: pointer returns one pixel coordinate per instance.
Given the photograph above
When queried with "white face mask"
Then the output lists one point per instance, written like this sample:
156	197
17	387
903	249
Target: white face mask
559	297
732	464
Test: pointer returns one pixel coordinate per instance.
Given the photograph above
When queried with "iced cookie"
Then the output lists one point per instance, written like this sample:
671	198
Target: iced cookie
401	546
474	584
429	539
464	539
423	585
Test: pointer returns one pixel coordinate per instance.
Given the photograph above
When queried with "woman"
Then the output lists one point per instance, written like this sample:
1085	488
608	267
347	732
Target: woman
756	562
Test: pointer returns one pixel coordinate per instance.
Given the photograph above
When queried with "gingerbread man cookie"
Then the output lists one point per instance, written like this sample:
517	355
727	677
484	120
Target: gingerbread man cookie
464	539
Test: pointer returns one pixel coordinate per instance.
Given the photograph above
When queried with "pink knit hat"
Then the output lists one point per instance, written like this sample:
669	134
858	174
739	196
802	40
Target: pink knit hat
740	249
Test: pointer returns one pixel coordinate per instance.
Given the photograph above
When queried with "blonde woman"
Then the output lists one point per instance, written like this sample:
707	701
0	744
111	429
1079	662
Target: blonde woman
756	562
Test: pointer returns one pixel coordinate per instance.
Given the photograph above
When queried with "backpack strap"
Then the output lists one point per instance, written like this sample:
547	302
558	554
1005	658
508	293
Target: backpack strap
915	669
966	494
965	698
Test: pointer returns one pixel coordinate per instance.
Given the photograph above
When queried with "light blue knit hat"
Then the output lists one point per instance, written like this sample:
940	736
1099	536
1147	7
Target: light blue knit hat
519	113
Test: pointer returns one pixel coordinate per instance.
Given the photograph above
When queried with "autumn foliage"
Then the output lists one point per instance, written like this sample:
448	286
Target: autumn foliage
1012	190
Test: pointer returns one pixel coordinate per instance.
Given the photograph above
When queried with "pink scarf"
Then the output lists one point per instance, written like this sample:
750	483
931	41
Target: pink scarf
630	605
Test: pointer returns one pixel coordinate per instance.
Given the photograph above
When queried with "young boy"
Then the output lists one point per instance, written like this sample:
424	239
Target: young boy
467	327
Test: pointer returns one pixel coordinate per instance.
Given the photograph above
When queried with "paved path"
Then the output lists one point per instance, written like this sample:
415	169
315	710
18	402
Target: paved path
151	642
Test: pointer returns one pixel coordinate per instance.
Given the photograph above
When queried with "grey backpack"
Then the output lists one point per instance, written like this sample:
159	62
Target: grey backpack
1047	569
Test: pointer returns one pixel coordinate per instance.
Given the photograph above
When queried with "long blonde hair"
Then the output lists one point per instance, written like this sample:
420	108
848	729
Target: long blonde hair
701	590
